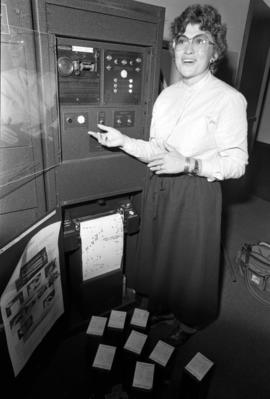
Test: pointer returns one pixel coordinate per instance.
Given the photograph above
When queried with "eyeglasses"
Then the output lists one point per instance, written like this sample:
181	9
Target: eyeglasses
198	42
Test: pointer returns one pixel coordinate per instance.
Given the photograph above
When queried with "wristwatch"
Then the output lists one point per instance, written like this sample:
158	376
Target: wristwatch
196	168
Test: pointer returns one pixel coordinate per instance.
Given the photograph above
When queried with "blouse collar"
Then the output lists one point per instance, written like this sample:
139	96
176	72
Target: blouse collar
198	85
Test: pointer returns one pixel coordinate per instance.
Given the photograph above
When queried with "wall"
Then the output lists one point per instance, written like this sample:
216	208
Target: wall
234	13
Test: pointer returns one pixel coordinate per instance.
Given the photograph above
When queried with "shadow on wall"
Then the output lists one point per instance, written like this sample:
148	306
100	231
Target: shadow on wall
228	68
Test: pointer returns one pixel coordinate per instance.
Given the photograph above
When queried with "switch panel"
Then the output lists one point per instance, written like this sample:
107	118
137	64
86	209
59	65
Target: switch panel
124	119
75	119
101	118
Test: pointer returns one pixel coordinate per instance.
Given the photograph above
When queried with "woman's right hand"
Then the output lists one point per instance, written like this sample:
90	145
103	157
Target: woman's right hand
110	137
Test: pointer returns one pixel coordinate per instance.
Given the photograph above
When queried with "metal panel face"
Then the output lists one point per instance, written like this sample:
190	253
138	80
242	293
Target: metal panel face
77	144
99	177
99	26
100	82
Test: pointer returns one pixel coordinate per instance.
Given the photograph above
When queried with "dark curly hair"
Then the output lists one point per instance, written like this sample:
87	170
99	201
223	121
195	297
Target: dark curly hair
209	20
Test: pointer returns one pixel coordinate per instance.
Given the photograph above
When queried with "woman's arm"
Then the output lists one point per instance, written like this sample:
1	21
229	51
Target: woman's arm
231	140
141	149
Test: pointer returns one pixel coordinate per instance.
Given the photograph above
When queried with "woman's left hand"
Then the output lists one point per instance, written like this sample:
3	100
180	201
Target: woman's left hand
169	162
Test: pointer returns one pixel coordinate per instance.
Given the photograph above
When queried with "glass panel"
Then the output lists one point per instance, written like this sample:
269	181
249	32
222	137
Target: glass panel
29	122
28	99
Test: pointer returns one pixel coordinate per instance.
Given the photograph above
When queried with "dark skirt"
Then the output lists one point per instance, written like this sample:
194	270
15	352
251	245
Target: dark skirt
179	248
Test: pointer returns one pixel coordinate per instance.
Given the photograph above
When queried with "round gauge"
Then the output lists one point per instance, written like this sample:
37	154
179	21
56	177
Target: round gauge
65	66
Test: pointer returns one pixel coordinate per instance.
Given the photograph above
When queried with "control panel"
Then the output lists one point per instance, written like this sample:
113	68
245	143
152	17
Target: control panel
122	77
79	76
98	83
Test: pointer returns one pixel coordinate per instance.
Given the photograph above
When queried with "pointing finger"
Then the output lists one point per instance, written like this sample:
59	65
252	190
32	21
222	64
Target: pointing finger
103	127
94	134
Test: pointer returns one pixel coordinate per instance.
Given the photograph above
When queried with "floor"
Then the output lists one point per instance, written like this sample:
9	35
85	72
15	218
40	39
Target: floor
237	342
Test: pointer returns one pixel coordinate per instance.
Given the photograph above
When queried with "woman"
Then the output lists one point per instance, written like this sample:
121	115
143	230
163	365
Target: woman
198	137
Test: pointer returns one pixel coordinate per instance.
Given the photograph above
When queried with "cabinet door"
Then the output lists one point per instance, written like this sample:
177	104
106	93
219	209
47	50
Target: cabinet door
22	137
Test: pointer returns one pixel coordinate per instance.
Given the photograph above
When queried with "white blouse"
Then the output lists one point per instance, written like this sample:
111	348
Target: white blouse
206	121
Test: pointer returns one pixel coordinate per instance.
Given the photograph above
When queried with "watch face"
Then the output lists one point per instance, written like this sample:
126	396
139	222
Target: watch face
196	167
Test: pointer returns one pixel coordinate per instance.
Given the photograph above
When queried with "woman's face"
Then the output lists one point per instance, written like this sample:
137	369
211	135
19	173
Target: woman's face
192	60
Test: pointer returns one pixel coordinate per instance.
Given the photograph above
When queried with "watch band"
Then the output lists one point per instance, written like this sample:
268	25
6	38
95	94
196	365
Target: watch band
187	165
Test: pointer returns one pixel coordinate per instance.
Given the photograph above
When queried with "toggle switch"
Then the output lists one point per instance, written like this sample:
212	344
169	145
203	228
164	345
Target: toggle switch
101	118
